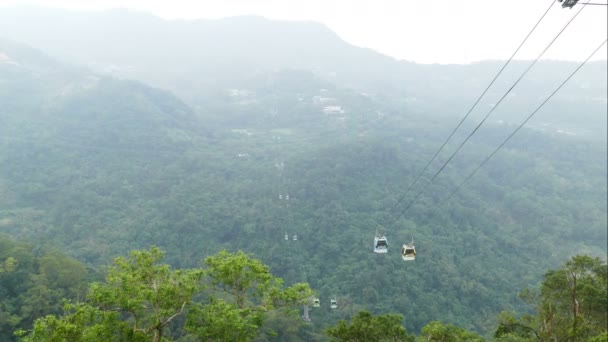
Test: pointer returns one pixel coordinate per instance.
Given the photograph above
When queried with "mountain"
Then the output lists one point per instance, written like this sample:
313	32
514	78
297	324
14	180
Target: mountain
100	165
197	53
66	129
201	60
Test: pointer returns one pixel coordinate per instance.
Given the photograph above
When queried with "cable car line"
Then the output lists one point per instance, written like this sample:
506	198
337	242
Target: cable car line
524	122
572	3
473	106
486	117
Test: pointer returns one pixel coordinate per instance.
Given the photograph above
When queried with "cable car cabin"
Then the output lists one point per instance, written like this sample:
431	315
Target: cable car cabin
286	237
568	3
380	244
333	303
316	302
295	238
408	252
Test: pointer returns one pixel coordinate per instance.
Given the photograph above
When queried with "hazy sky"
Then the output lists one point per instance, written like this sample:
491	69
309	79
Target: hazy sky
425	31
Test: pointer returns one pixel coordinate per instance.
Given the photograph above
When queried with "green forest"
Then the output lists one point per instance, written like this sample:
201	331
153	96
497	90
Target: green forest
235	297
183	208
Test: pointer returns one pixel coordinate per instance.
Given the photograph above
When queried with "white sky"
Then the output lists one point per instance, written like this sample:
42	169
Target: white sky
424	31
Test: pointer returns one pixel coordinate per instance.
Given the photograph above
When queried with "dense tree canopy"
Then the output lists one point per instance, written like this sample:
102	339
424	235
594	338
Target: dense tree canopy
236	298
571	304
33	283
366	327
142	299
97	166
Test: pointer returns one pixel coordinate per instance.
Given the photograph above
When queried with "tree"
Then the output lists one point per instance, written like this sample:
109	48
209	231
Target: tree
573	299
437	331
8	265
141	297
511	328
249	291
219	320
571	304
366	327
80	322
151	294
33	284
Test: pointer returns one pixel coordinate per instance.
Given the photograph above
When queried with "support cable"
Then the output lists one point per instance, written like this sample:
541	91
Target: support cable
487	115
524	122
472	107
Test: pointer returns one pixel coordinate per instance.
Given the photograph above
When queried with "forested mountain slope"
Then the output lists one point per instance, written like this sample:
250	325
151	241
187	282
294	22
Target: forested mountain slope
100	166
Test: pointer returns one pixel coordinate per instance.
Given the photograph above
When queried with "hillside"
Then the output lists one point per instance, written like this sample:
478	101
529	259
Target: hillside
99	166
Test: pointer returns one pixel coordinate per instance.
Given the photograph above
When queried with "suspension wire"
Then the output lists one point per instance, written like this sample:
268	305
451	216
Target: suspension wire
486	117
552	2
524	122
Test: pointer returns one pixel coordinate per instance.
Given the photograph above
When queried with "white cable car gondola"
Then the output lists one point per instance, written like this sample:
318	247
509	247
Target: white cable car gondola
333	303
286	237
380	244
295	237
408	252
316	302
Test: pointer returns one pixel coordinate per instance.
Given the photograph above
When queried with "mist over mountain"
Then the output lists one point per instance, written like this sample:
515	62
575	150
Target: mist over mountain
120	130
75	101
200	59
206	53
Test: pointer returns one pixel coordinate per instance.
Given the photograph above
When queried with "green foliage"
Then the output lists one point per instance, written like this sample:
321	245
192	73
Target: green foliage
570	305
141	298
99	166
367	327
9	265
603	337
573	299
438	331
151	294
33	283
238	274
510	328
221	321
80	322
245	278
252	291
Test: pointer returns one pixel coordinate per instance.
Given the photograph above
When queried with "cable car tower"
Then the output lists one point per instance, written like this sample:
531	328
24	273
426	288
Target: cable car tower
306	316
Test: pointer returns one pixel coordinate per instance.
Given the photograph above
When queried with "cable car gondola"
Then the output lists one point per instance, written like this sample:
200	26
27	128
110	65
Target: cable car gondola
295	237
380	242
333	303
286	237
408	252
316	302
